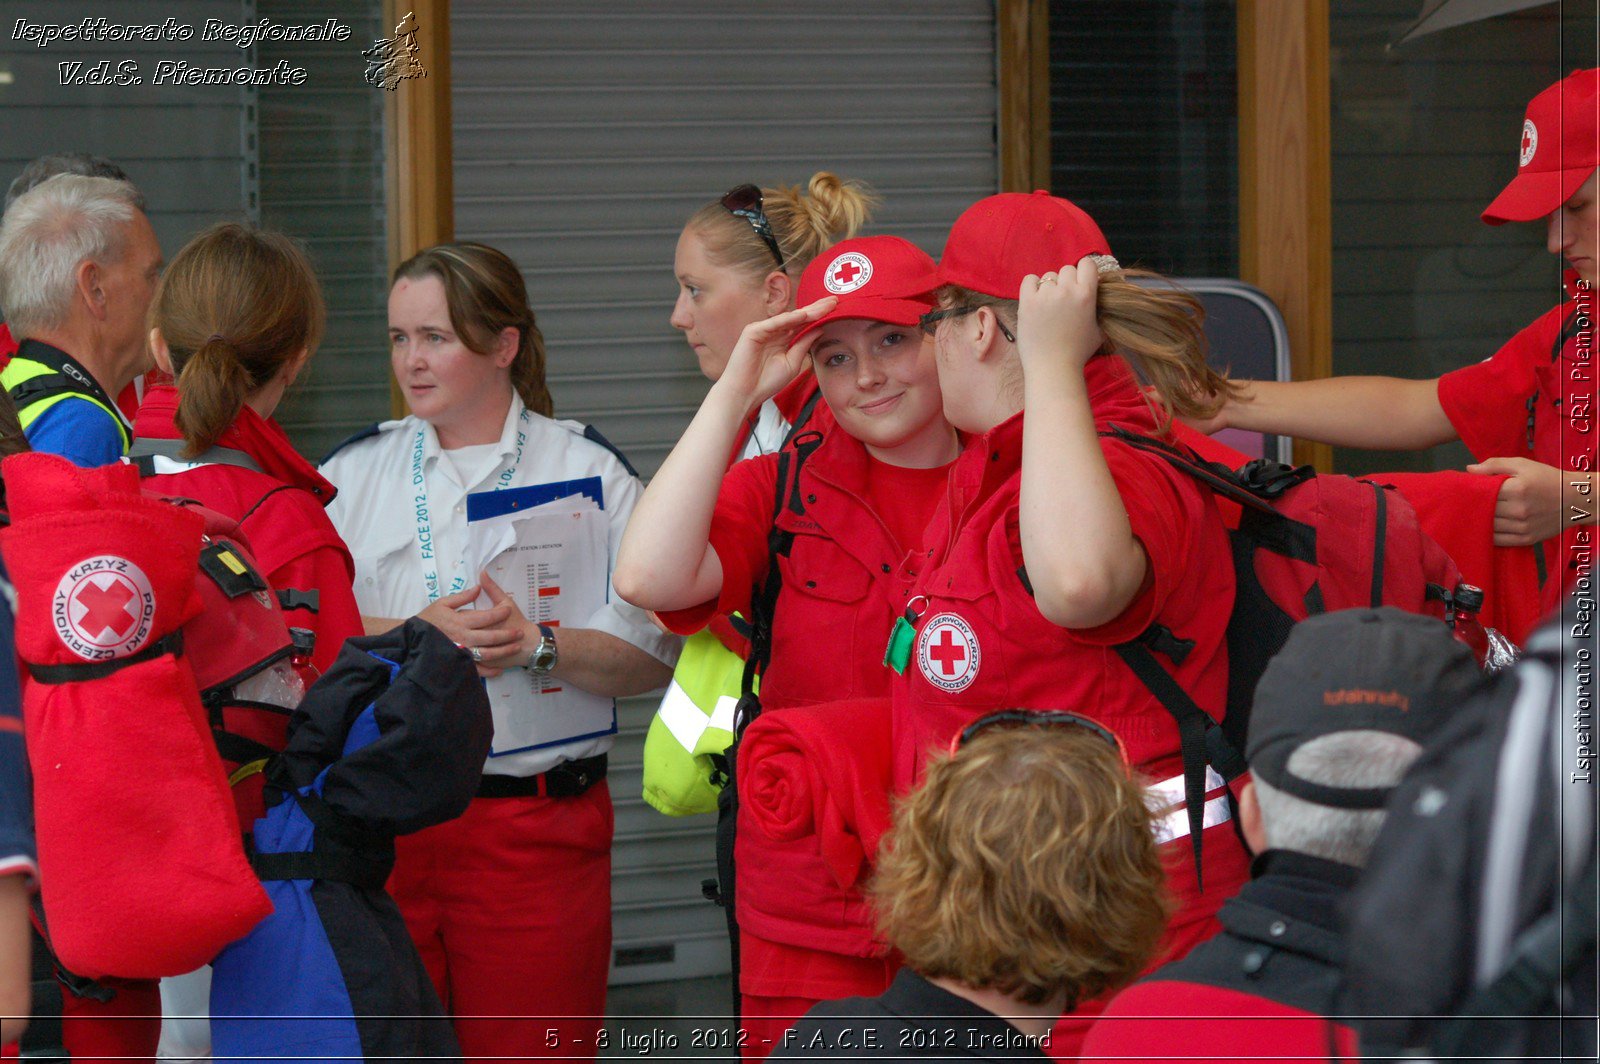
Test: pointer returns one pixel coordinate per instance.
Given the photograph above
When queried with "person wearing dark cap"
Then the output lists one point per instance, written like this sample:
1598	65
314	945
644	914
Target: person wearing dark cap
1527	413
1339	716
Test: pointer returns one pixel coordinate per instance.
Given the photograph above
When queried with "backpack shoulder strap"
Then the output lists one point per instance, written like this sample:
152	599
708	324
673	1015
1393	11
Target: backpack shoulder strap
1201	741
1219	478
763	604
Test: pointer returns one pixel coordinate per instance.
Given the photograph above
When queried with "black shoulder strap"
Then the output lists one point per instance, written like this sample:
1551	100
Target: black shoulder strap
803	418
763	603
592	434
357	437
144	450
1201	741
1219	478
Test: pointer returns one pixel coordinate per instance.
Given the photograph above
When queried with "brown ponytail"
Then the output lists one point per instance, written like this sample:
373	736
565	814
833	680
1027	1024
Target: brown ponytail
235	306
486	294
1159	329
212	387
805	223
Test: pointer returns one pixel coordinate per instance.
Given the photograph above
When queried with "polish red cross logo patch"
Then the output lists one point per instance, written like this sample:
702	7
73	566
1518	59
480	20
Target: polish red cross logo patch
103	608
847	273
1530	141
947	653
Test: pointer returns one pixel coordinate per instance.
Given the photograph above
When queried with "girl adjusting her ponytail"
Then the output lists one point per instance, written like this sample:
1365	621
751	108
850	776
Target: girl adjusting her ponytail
236	317
1061	543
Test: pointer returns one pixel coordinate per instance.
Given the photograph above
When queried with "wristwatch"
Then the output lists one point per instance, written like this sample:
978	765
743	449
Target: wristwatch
543	658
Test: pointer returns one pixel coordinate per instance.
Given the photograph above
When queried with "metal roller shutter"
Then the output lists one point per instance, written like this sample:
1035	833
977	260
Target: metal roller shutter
181	145
585	133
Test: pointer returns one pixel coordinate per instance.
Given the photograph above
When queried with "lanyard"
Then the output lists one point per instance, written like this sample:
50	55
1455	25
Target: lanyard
419	487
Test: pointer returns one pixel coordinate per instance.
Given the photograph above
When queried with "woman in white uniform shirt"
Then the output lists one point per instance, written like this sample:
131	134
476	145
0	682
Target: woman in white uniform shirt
510	904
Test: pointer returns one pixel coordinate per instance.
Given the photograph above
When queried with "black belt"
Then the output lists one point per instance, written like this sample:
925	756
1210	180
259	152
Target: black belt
567	780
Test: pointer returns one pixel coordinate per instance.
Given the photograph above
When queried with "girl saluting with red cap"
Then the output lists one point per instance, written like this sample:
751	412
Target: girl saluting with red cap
1058	541
857	501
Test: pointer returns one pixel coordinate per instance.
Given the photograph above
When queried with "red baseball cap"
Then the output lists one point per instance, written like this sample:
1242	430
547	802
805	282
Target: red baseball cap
1560	149
1000	240
881	278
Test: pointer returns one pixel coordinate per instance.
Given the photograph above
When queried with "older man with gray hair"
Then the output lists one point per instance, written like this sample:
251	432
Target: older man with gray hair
1339	716
78	266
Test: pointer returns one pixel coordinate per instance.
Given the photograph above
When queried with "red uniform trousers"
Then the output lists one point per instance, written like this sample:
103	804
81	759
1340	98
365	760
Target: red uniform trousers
510	908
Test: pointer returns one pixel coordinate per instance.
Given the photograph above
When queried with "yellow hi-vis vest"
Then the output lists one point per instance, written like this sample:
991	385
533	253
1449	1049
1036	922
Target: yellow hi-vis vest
694	721
35	387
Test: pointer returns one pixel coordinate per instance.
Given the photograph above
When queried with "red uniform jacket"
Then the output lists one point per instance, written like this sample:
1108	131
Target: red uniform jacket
844	581
1535	398
279	510
981	643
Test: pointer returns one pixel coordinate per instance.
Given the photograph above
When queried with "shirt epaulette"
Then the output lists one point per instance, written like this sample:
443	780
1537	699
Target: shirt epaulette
370	431
592	434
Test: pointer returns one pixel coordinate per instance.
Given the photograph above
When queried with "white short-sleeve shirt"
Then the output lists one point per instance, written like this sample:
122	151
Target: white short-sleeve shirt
375	512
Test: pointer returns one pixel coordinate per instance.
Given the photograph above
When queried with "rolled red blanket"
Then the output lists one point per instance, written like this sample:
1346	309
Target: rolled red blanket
142	869
821	771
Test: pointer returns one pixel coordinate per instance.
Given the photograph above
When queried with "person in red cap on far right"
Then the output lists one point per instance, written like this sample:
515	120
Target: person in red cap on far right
1528	412
856	503
1061	548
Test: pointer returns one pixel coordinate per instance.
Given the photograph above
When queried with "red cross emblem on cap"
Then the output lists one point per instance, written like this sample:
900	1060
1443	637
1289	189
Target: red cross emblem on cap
947	653
1530	141
847	273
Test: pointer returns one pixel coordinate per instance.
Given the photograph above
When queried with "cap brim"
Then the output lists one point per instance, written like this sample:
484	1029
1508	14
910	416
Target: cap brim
1531	196
872	308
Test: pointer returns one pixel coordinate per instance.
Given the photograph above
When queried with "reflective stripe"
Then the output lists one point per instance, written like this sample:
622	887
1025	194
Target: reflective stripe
1172	815
1170	792
688	722
1175	825
685	720
161	464
722	715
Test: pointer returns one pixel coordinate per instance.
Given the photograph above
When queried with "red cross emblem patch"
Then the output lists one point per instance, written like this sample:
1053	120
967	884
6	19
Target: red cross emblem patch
948	654
847	273
103	608
1530	141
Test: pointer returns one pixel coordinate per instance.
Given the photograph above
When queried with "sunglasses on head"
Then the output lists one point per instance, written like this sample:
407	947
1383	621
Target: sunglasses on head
930	321
745	201
1048	718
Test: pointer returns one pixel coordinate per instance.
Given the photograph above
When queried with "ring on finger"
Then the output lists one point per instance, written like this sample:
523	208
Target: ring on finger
477	653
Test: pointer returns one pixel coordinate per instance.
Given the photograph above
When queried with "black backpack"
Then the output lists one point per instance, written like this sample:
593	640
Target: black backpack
1472	933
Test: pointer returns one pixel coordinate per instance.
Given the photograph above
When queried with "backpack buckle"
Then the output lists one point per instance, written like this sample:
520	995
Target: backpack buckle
1270	479
1159	638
